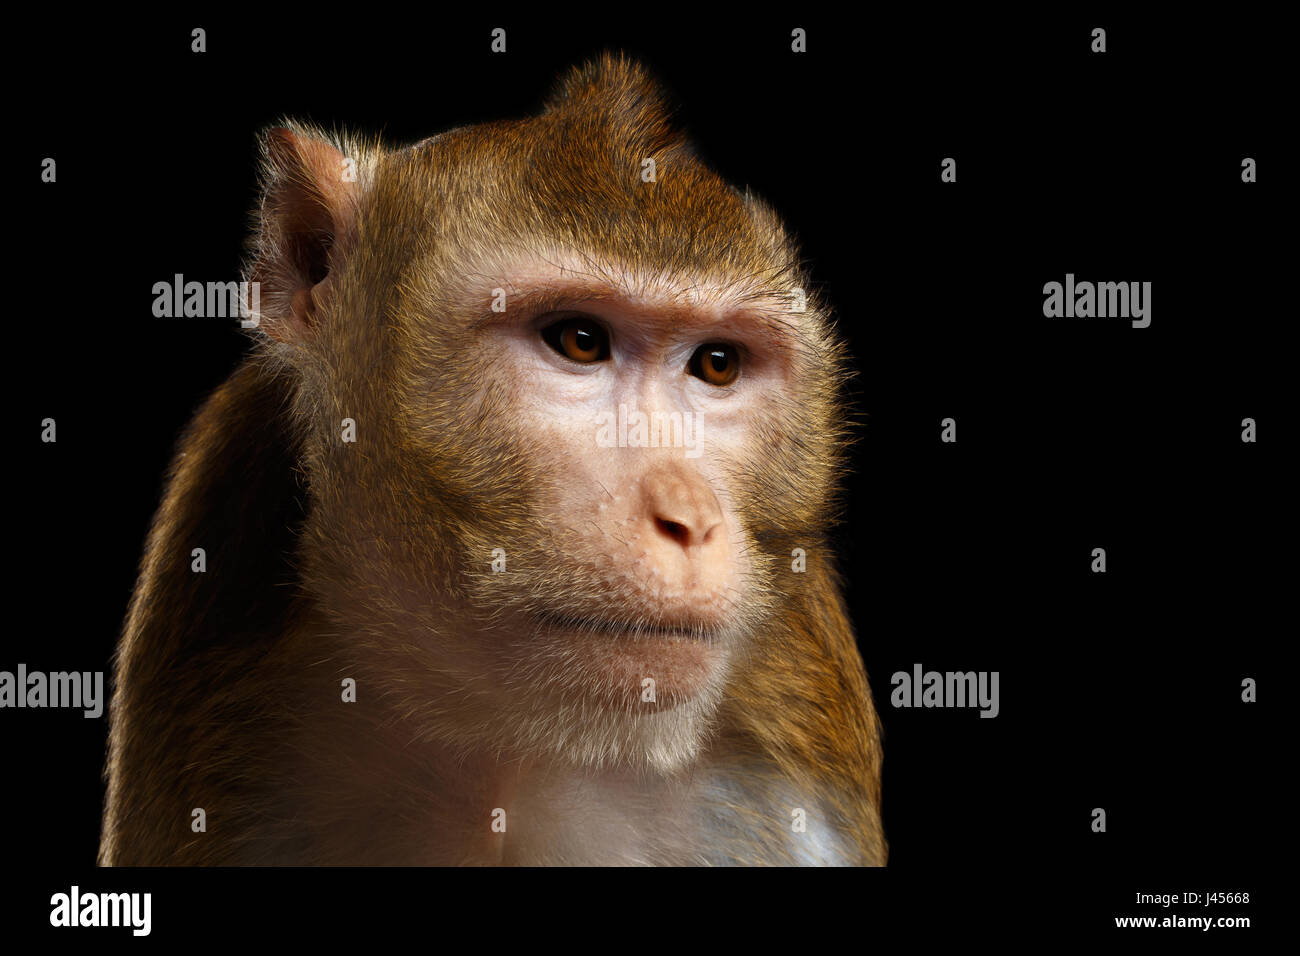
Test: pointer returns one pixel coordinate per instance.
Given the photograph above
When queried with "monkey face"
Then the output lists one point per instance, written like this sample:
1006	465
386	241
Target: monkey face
600	440
617	446
643	406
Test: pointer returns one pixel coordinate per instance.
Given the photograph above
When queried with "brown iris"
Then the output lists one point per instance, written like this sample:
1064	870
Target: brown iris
579	339
716	364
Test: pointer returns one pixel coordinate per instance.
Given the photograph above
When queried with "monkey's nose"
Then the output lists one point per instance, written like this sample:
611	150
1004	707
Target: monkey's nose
684	508
681	532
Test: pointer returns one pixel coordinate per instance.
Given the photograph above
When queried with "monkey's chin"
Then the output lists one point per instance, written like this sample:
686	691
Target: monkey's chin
615	696
644	668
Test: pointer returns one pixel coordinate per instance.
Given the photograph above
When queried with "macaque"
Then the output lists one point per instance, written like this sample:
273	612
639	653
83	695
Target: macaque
461	603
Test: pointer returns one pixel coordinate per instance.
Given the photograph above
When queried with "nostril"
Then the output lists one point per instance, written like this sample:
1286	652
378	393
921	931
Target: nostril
678	532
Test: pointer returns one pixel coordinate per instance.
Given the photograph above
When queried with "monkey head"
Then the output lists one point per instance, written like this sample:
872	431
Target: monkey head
565	406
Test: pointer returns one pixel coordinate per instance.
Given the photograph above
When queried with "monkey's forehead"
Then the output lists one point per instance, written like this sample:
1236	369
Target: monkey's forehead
628	198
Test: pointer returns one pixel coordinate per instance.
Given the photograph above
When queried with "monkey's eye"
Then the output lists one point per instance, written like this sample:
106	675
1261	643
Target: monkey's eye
716	364
579	339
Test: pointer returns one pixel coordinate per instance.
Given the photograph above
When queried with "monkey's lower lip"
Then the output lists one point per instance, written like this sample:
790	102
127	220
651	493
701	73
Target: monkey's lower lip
690	631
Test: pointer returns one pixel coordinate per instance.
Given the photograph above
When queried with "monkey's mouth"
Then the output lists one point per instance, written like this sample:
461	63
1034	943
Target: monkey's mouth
686	630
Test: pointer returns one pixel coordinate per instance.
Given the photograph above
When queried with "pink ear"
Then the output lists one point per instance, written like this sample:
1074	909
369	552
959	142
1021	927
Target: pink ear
306	225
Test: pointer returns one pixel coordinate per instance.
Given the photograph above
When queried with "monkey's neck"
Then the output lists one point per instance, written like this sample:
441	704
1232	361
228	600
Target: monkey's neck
392	800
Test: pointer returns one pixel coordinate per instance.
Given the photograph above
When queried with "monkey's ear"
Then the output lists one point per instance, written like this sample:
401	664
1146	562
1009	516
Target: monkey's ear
306	226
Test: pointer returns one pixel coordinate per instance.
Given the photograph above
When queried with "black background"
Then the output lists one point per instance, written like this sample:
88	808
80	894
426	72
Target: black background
1119	690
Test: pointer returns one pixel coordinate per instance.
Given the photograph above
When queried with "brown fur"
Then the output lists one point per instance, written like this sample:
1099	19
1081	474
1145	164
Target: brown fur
329	560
